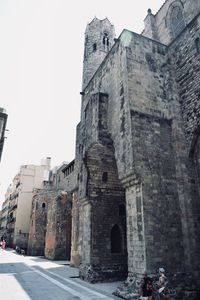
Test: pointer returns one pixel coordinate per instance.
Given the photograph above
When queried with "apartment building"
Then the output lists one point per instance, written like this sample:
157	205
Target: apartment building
3	120
18	201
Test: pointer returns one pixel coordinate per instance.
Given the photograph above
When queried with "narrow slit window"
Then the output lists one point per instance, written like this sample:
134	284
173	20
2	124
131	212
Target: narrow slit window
105	177
116	239
197	43
94	47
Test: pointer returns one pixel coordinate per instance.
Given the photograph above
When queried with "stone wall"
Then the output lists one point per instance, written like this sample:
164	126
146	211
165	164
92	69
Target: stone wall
156	202
76	240
58	234
184	56
38	221
101	192
104	254
139	80
110	80
66	177
159	26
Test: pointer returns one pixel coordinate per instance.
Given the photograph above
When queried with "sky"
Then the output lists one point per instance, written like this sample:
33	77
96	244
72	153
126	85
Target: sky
41	59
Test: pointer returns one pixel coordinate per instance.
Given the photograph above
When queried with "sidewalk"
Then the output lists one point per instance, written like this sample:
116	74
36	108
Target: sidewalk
14	264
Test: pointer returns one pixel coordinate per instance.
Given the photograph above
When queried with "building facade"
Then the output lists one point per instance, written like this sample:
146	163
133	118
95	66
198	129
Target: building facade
3	121
50	229
18	202
4	213
134	185
138	146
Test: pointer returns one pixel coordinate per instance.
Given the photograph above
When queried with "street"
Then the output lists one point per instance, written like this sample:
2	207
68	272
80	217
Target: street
26	277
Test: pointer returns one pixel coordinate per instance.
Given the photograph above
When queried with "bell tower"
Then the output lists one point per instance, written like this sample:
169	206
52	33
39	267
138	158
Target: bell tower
99	38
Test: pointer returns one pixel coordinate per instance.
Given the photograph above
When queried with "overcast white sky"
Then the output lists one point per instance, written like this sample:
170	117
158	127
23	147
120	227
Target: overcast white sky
41	54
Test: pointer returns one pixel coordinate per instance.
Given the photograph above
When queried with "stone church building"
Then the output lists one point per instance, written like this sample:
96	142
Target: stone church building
133	192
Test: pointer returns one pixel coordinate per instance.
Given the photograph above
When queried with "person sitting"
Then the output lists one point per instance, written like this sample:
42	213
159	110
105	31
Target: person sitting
162	285
162	278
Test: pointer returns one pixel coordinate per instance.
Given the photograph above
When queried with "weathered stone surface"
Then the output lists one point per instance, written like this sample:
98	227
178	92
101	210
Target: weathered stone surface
135	183
38	222
145	93
58	234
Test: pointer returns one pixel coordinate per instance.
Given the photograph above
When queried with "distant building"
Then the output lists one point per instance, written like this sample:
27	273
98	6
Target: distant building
4	212
50	225
3	120
18	201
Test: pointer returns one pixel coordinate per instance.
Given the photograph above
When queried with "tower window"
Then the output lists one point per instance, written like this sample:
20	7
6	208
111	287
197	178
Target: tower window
105	177
197	43
43	205
94	47
116	239
105	39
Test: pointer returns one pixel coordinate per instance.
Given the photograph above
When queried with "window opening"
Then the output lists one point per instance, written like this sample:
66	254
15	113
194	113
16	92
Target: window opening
116	239
43	205
94	47
197	43
177	20
105	177
105	39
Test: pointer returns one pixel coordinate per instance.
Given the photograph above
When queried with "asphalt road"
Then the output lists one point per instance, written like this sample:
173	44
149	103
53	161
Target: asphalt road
25	277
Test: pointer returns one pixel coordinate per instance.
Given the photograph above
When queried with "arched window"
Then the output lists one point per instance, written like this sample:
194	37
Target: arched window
105	177
94	47
43	205
177	20
116	239
197	43
105	39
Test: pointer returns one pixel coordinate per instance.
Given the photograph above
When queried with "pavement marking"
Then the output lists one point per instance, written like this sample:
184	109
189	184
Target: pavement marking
68	289
81	286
